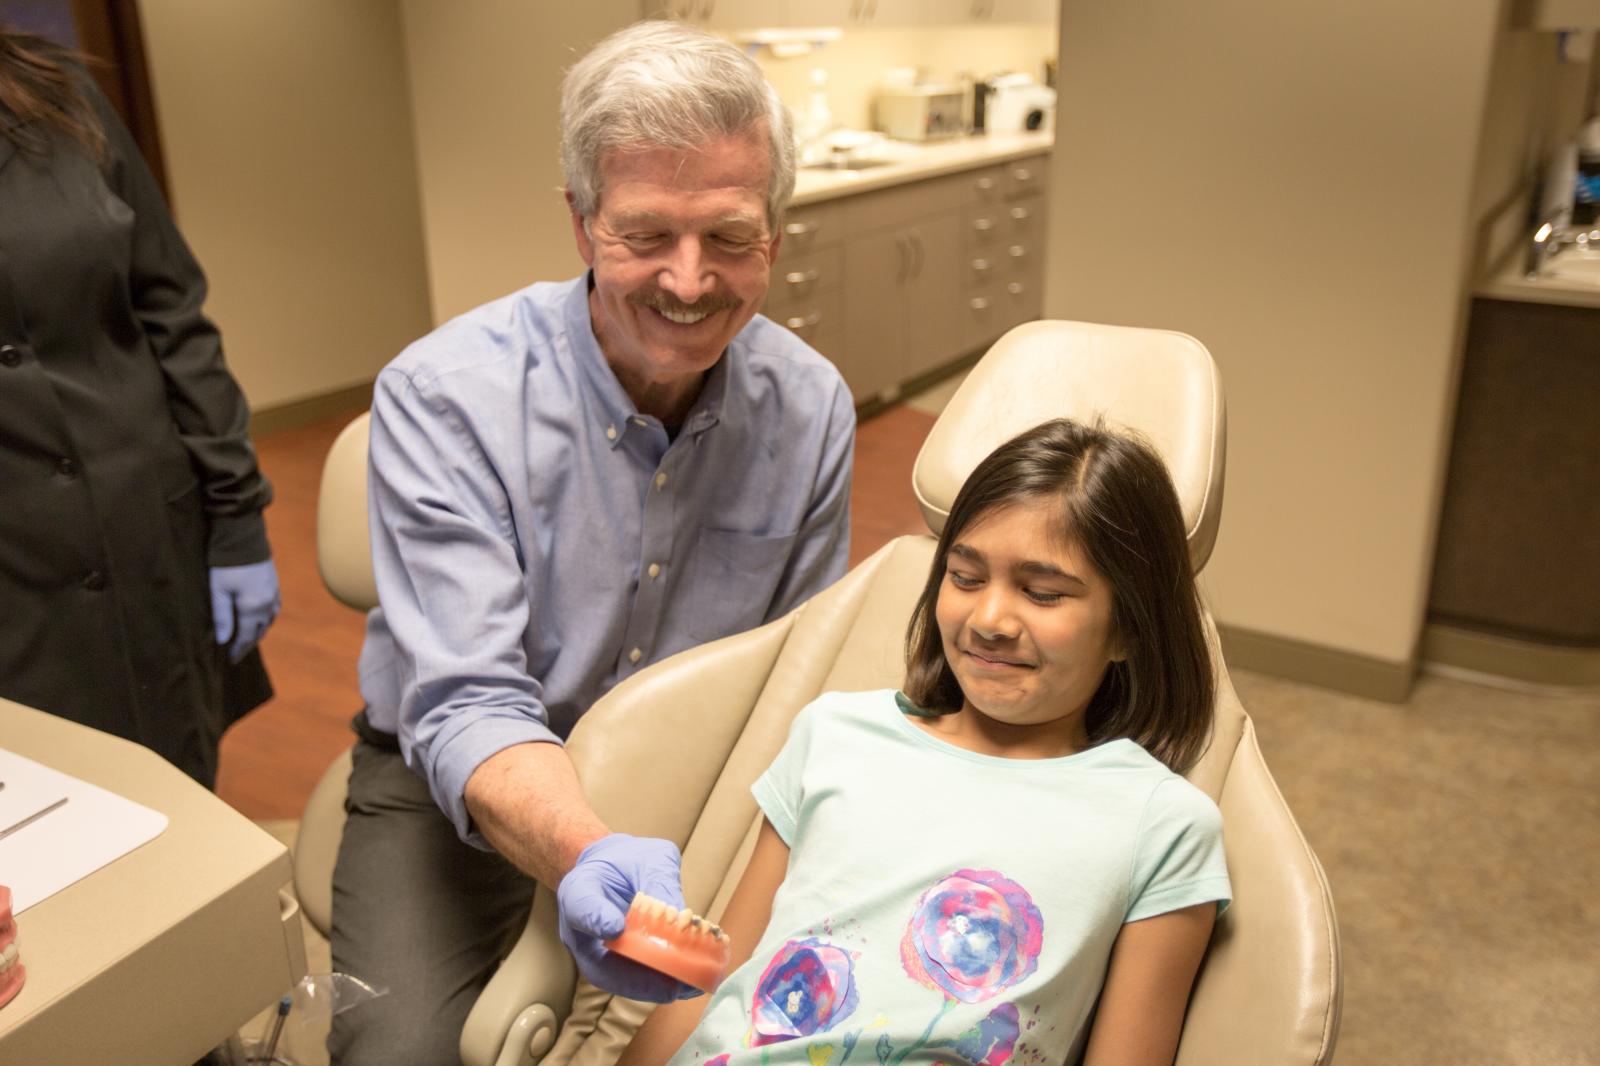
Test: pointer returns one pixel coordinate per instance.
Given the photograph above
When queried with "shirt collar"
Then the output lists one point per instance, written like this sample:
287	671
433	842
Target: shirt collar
616	414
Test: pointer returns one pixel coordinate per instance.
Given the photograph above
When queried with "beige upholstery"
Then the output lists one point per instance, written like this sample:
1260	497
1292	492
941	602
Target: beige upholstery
344	556
672	751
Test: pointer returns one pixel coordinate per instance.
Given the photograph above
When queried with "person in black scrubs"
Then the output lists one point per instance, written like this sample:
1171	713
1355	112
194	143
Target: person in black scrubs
135	573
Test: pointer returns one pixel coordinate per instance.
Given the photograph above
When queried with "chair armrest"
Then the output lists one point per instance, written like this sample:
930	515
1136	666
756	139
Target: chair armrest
1270	989
516	1018
316	847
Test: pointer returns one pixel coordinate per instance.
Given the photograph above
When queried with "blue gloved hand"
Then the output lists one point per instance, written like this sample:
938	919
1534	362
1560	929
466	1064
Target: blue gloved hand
244	601
593	899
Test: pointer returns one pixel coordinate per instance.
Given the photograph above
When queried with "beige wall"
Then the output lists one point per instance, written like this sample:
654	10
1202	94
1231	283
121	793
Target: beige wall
287	135
485	85
1292	185
856	62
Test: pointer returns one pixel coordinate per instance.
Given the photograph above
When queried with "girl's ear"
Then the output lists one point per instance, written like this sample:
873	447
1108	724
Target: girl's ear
1120	647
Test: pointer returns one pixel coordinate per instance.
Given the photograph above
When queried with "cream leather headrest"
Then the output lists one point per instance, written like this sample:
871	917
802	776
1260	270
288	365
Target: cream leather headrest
1162	384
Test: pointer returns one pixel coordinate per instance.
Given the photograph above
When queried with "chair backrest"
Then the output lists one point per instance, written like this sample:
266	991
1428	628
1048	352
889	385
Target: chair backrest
344	553
672	751
344	556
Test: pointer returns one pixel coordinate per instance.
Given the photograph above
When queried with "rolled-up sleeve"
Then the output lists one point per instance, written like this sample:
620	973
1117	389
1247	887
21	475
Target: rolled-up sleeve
449	576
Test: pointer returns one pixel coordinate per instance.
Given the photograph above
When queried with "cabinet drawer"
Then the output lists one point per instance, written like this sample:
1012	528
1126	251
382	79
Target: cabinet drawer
811	318
805	229
1024	216
990	310
1026	177
906	204
983	227
985	185
799	278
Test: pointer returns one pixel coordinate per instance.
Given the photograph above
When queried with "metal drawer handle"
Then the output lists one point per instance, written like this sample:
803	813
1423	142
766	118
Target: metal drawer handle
801	229
1020	214
1016	288
1016	251
981	266
801	323
985	184
801	277
979	303
983	225
1022	174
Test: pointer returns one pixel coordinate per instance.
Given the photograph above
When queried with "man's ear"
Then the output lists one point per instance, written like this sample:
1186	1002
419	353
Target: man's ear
580	232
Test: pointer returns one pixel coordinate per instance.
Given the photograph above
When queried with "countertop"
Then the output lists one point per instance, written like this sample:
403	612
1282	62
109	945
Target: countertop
925	161
1510	282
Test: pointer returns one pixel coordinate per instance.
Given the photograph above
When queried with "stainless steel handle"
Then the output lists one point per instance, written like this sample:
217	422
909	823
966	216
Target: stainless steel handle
983	225
1016	251
985	183
803	323
979	303
1020	214
801	278
1021	174
981	266
801	229
1016	288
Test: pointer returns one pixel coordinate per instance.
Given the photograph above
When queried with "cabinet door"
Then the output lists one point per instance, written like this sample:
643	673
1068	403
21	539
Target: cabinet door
933	293
875	271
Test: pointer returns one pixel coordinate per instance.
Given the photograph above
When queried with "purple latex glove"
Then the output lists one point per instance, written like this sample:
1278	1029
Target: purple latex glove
244	601
593	899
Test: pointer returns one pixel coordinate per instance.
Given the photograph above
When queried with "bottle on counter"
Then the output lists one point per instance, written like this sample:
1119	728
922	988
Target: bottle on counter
1586	183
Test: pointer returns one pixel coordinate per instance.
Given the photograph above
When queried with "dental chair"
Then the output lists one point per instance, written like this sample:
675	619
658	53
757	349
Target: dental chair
672	751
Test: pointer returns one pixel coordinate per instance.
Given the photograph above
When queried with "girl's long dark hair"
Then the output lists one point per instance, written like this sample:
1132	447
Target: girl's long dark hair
40	97
1116	502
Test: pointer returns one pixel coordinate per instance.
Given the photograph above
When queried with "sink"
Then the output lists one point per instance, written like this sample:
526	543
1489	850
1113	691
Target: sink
1573	265
849	163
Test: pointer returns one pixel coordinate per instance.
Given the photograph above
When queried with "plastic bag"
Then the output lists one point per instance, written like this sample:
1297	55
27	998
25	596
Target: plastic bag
298	1035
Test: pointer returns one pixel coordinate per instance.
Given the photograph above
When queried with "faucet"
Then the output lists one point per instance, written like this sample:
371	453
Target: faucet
1550	238
1542	246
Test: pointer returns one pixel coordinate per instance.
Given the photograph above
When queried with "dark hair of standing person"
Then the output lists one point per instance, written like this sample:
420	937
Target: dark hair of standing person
1114	499
40	96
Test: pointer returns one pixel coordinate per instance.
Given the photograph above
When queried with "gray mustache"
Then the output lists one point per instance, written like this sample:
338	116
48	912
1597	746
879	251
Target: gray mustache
709	304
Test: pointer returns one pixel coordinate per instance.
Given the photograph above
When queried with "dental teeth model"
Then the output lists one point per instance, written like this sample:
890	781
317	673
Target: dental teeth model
677	943
11	971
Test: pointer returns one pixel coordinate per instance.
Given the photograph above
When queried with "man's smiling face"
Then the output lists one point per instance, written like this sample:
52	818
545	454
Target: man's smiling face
682	253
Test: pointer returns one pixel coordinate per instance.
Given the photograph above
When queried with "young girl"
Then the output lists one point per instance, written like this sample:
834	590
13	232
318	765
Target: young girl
956	873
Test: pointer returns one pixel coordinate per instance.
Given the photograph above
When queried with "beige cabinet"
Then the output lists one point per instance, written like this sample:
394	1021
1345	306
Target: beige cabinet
896	284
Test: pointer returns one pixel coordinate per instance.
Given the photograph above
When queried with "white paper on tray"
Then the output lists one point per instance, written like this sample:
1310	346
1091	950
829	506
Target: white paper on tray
69	843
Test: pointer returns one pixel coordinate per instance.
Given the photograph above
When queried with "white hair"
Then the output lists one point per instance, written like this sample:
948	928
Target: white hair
662	83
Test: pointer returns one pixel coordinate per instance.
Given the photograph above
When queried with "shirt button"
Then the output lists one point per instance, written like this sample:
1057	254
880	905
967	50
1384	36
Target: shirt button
635	655
661	479
67	468
94	581
655	571
9	355
611	433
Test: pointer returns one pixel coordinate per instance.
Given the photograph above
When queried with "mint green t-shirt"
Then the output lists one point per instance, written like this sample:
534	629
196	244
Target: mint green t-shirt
946	906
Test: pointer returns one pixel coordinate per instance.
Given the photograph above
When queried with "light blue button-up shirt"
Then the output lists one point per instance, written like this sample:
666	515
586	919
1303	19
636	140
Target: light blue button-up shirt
536	539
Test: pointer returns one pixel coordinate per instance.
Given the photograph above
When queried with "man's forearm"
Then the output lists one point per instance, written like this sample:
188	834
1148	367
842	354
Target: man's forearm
528	804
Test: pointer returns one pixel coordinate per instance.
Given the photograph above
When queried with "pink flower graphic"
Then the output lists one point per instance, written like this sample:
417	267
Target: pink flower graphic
973	935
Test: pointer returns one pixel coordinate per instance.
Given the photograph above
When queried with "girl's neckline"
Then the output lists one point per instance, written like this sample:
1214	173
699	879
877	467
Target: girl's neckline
908	710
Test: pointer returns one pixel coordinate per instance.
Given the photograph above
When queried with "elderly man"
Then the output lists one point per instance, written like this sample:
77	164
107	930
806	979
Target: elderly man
567	485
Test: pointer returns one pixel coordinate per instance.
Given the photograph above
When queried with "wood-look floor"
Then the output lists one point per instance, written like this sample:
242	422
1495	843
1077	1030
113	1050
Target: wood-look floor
273	757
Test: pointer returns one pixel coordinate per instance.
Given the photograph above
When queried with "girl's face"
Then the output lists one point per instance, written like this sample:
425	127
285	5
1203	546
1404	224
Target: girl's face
1026	626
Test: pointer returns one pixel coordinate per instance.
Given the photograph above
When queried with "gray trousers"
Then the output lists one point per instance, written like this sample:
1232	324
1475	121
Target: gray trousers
418	911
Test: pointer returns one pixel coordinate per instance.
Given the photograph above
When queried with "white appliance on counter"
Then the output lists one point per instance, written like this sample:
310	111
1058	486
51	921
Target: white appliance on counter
921	112
1018	104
